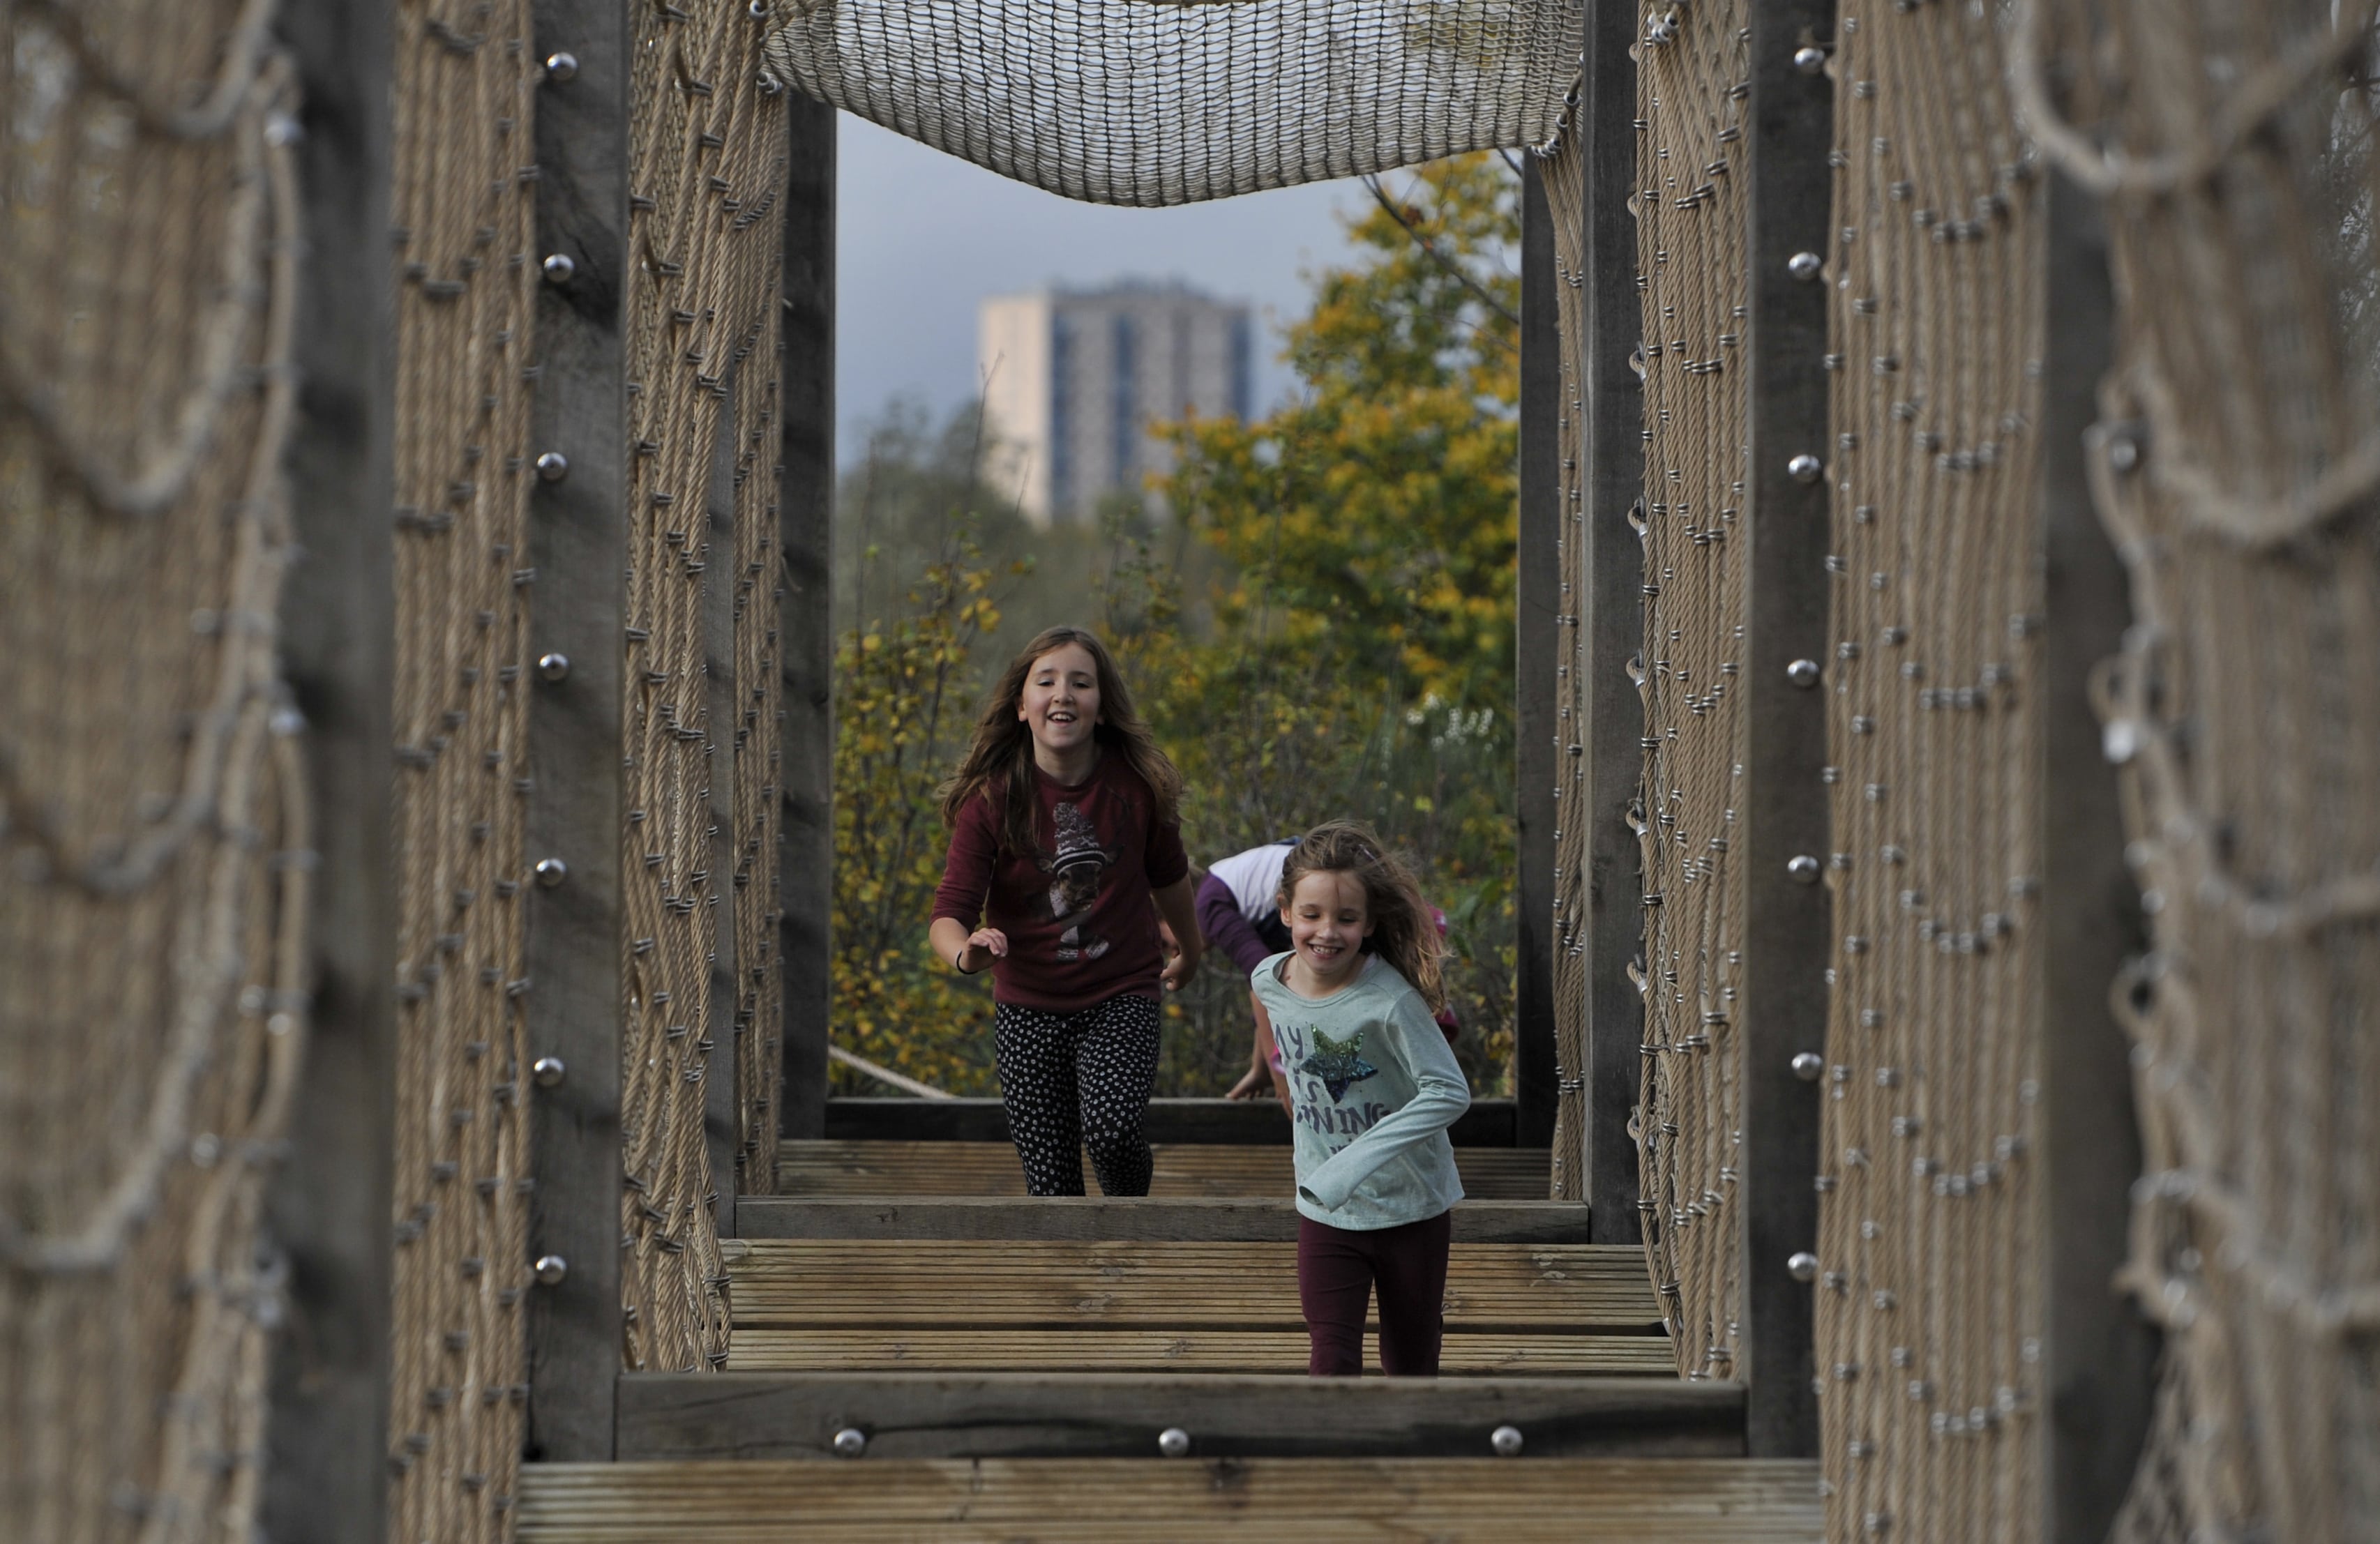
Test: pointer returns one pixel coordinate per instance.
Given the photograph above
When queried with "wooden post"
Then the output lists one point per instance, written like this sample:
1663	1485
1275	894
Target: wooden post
577	536
2098	1354
806	517
1613	627
1537	642
1787	930
328	1206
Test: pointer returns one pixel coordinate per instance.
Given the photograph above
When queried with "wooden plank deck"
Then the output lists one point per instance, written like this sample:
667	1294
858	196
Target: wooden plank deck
980	1285
836	1167
1174	1350
1456	1500
1210	1219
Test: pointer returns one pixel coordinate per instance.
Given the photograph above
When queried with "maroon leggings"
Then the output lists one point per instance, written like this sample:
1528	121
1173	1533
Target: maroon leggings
1337	1268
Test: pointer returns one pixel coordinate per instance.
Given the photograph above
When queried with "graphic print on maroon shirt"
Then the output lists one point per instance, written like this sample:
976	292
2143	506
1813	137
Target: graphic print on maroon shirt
1080	923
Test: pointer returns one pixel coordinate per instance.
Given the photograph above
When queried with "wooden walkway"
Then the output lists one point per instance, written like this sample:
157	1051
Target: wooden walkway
1007	1367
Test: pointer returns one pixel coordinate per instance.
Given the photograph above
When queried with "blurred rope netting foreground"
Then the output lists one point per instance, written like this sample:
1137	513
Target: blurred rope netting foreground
2238	470
154	838
1130	102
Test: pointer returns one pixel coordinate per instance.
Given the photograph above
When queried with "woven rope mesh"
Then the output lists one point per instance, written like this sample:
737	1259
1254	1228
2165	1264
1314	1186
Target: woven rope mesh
2238	482
1929	1316
1563	173
1127	101
706	159
1691	245
463	88
153	824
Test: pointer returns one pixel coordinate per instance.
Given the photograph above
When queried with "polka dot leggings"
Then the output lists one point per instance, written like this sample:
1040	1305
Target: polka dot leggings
1077	1080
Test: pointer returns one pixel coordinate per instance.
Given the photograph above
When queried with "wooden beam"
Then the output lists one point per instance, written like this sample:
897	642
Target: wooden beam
328	1206
577	536
805	628
1203	1349
1489	1122
786	1416
1537	641
2098	1353
1788	928
1613	623
874	1170
1100	1218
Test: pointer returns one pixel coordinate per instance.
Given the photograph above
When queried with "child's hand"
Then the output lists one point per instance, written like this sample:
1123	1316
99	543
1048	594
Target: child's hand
1256	1082
1179	969
984	946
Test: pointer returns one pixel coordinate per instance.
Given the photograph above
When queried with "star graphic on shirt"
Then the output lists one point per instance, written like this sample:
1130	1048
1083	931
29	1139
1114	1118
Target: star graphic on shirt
1337	1064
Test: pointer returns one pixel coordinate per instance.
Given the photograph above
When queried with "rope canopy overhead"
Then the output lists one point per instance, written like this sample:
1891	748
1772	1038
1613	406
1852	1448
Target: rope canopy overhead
1124	102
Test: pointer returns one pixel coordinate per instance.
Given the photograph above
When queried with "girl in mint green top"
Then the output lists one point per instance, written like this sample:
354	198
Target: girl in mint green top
1373	1088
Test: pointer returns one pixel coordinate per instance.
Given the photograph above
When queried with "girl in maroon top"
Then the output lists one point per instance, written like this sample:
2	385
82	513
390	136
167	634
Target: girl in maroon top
1064	821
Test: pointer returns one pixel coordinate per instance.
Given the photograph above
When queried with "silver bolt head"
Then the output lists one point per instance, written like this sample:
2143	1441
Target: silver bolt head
1802	1266
550	1269
1807	1065
2124	453
558	268
554	666
1803	468
1809	61
1173	1443
758	7
1506	1441
548	1071
551	871
850	1443
1805	266
1802	673
554	467
561	67
1802	869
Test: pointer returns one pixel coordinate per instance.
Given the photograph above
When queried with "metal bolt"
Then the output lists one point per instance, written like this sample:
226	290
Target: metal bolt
561	67
281	131
550	1269
1802	869
1803	468
551	871
2119	741
554	666
850	1443
2124	453
1506	1441
1804	266
758	7
1802	673
1809	61
548	1071
1807	1065
1173	1443
558	268
554	467
1802	1266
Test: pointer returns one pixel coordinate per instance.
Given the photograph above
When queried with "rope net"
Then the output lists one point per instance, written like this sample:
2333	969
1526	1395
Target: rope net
2236	470
707	158
153	862
1128	101
463	88
1928	1317
1691	90
1563	172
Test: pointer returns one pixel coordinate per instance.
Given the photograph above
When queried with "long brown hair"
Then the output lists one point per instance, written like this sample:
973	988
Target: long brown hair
1002	753
1403	931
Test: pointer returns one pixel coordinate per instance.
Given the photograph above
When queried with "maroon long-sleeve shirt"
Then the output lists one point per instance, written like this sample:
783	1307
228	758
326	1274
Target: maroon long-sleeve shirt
1077	914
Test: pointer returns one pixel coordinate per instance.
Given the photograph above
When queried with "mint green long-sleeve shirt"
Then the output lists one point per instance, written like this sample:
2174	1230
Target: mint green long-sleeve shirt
1373	1088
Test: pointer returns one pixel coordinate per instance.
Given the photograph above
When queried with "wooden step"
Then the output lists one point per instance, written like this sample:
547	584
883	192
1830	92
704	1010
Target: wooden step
782	1284
1154	1350
1206	1219
1021	1415
836	1167
1457	1501
1488	1122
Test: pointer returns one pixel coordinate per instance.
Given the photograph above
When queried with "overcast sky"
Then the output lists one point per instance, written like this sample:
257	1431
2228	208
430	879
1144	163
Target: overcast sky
922	236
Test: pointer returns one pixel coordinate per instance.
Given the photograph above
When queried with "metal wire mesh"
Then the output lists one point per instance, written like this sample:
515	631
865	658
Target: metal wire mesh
707	160
463	88
1928	1315
1125	101
153	837
2239	473
1692	86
